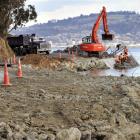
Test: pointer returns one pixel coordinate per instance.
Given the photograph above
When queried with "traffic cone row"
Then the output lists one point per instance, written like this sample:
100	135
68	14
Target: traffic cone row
6	80
19	73
72	55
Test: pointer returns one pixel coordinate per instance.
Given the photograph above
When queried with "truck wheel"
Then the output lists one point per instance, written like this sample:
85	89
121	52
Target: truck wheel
102	54
90	54
47	52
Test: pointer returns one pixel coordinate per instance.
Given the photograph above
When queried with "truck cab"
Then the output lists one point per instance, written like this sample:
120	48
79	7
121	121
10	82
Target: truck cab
45	47
28	44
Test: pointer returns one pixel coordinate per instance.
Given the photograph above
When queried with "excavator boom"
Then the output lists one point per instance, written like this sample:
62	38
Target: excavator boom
107	35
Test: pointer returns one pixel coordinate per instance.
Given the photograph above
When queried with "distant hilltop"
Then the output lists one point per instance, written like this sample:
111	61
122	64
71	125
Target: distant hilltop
124	24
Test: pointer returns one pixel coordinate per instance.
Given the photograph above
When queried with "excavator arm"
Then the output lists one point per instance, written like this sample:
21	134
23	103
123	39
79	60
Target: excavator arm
107	35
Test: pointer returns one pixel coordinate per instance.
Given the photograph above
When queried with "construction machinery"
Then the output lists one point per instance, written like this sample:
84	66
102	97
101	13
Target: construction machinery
28	44
91	44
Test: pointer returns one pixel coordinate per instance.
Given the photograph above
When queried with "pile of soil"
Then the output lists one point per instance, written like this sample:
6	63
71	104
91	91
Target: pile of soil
5	50
53	62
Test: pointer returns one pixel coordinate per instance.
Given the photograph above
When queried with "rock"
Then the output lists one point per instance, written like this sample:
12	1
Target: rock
43	137
129	132
51	137
118	119
25	127
30	137
13	131
17	128
53	130
42	91
86	135
2	124
85	117
78	121
19	136
5	131
84	64
34	134
84	127
69	134
104	136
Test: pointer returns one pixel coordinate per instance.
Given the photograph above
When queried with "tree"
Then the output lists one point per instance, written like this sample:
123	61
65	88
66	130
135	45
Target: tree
13	14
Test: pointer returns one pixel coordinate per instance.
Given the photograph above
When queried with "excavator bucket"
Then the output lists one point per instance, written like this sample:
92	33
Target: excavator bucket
107	36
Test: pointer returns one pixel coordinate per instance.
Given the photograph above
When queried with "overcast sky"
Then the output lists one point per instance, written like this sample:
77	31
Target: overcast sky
60	9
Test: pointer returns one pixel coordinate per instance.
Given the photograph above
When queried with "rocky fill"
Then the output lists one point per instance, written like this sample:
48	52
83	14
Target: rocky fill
62	104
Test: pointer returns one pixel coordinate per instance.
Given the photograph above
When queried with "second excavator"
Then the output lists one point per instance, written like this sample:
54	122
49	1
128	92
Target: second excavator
91	44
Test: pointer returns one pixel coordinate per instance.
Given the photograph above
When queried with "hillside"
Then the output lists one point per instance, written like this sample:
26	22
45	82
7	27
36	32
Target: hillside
124	24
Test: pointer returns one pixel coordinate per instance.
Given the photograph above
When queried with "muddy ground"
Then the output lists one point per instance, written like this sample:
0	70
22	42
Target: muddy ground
44	102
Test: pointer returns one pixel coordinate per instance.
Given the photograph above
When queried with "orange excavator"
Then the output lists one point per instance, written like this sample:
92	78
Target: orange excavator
91	44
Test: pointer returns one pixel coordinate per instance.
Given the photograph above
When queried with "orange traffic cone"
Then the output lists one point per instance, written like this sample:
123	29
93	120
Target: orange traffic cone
14	59
72	56
19	73
6	81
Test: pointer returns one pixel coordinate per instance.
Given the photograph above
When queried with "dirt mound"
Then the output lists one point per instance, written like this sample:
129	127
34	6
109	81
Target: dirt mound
53	62
42	61
5	50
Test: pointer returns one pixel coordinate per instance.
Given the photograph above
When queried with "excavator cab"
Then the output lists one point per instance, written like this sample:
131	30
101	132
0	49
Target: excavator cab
86	39
107	36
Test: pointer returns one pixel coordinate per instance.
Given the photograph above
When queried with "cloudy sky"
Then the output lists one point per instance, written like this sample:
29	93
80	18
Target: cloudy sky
60	9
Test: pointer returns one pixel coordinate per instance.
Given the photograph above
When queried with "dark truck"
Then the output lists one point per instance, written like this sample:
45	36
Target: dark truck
28	44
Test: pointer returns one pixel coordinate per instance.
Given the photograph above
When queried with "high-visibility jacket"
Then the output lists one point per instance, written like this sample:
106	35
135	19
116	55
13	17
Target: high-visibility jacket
126	51
117	60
